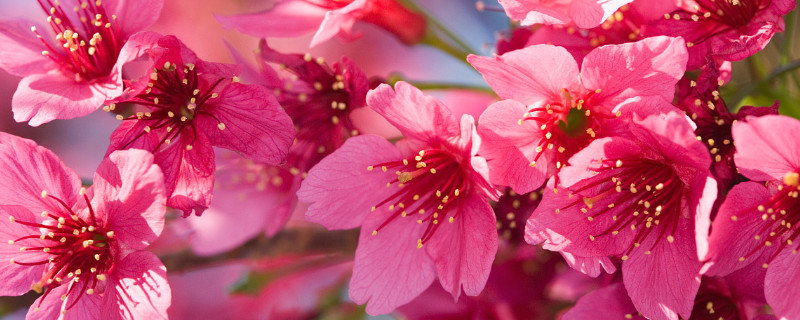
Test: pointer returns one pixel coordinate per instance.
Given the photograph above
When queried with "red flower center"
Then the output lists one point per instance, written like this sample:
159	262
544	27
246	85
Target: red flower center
640	195
429	185
175	97
78	251
569	125
87	39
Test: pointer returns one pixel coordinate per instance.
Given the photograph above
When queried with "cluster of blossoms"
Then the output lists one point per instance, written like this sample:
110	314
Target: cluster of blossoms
604	177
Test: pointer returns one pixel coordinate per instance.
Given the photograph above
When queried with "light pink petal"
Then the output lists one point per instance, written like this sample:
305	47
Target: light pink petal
734	230
590	266
135	16
338	21
702	220
591	13
389	269
663	284
340	188
581	164
17	279
510	147
463	251
780	285
136	46
248	119
41	98
763	149
529	75
130	197
29	169
535	12
421	118
217	231
204	293
88	307
142	291
611	302
300	293
649	67
21	50
288	18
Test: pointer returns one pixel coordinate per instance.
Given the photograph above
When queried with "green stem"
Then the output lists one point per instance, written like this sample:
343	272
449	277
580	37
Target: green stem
438	26
424	85
433	40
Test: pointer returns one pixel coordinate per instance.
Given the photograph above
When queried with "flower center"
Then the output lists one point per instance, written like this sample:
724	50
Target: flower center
640	195
723	14
78	251
87	41
780	217
568	125
175	97
429	185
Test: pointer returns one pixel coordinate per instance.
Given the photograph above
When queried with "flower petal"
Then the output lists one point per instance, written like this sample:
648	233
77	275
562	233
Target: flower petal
41	98
286	19
611	301
780	286
130	197
134	16
763	149
21	50
340	188
17	279
142	291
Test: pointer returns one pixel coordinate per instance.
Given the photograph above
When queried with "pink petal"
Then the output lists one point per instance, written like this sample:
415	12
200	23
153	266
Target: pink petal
529	75
338	21
650	67
217	231
136	46
732	238
591	13
130	197
41	98
300	293
389	269
612	302
341	190
29	169
17	279
21	50
421	118
763	149
134	16
663	284
142	291
287	18
509	147
89	307
780	286
590	266
254	123
463	251
204	293
532	12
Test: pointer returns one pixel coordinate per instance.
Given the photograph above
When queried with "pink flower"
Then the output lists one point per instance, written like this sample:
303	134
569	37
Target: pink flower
82	247
585	13
758	224
319	98
430	191
72	76
190	105
555	109
725	30
645	198
292	18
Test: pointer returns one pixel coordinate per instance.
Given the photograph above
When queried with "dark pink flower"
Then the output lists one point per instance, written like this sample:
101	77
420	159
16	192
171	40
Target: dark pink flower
555	109
584	13
422	205
188	106
82	247
645	198
291	18
758	223
728	30
70	70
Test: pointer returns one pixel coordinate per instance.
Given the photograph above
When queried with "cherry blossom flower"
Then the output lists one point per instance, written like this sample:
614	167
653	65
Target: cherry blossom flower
190	105
757	224
728	30
553	109
645	198
71	74
422	205
291	18
82	247
585	13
